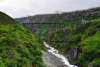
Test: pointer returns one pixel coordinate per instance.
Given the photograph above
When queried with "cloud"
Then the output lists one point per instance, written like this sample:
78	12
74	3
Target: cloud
18	8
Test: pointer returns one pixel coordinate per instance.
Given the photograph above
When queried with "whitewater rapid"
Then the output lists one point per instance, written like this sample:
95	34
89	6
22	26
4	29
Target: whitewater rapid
55	52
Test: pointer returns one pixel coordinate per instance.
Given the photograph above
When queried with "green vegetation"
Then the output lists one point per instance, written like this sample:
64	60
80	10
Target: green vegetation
47	28
18	46
91	51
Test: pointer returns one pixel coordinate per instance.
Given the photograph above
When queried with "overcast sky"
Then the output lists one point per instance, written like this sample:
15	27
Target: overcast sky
20	8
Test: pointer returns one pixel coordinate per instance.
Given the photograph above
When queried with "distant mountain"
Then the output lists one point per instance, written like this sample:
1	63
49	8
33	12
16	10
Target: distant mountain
75	16
18	46
53	22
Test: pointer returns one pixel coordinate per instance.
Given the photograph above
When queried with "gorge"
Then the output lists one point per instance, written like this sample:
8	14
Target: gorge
52	40
68	32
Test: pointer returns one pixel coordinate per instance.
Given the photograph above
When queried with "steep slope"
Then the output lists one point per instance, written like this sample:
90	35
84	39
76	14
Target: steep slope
18	46
5	18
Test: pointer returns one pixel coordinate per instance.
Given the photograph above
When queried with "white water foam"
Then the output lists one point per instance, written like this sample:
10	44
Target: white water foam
56	53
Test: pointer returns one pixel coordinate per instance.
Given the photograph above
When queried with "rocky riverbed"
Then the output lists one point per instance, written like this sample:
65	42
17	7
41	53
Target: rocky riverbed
52	58
52	61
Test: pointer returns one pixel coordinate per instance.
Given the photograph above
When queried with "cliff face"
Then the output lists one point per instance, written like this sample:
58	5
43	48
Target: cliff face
75	34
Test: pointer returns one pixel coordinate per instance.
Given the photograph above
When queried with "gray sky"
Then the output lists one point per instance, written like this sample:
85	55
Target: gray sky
19	8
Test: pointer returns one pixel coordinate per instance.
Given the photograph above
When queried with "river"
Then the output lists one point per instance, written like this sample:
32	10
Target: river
54	59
